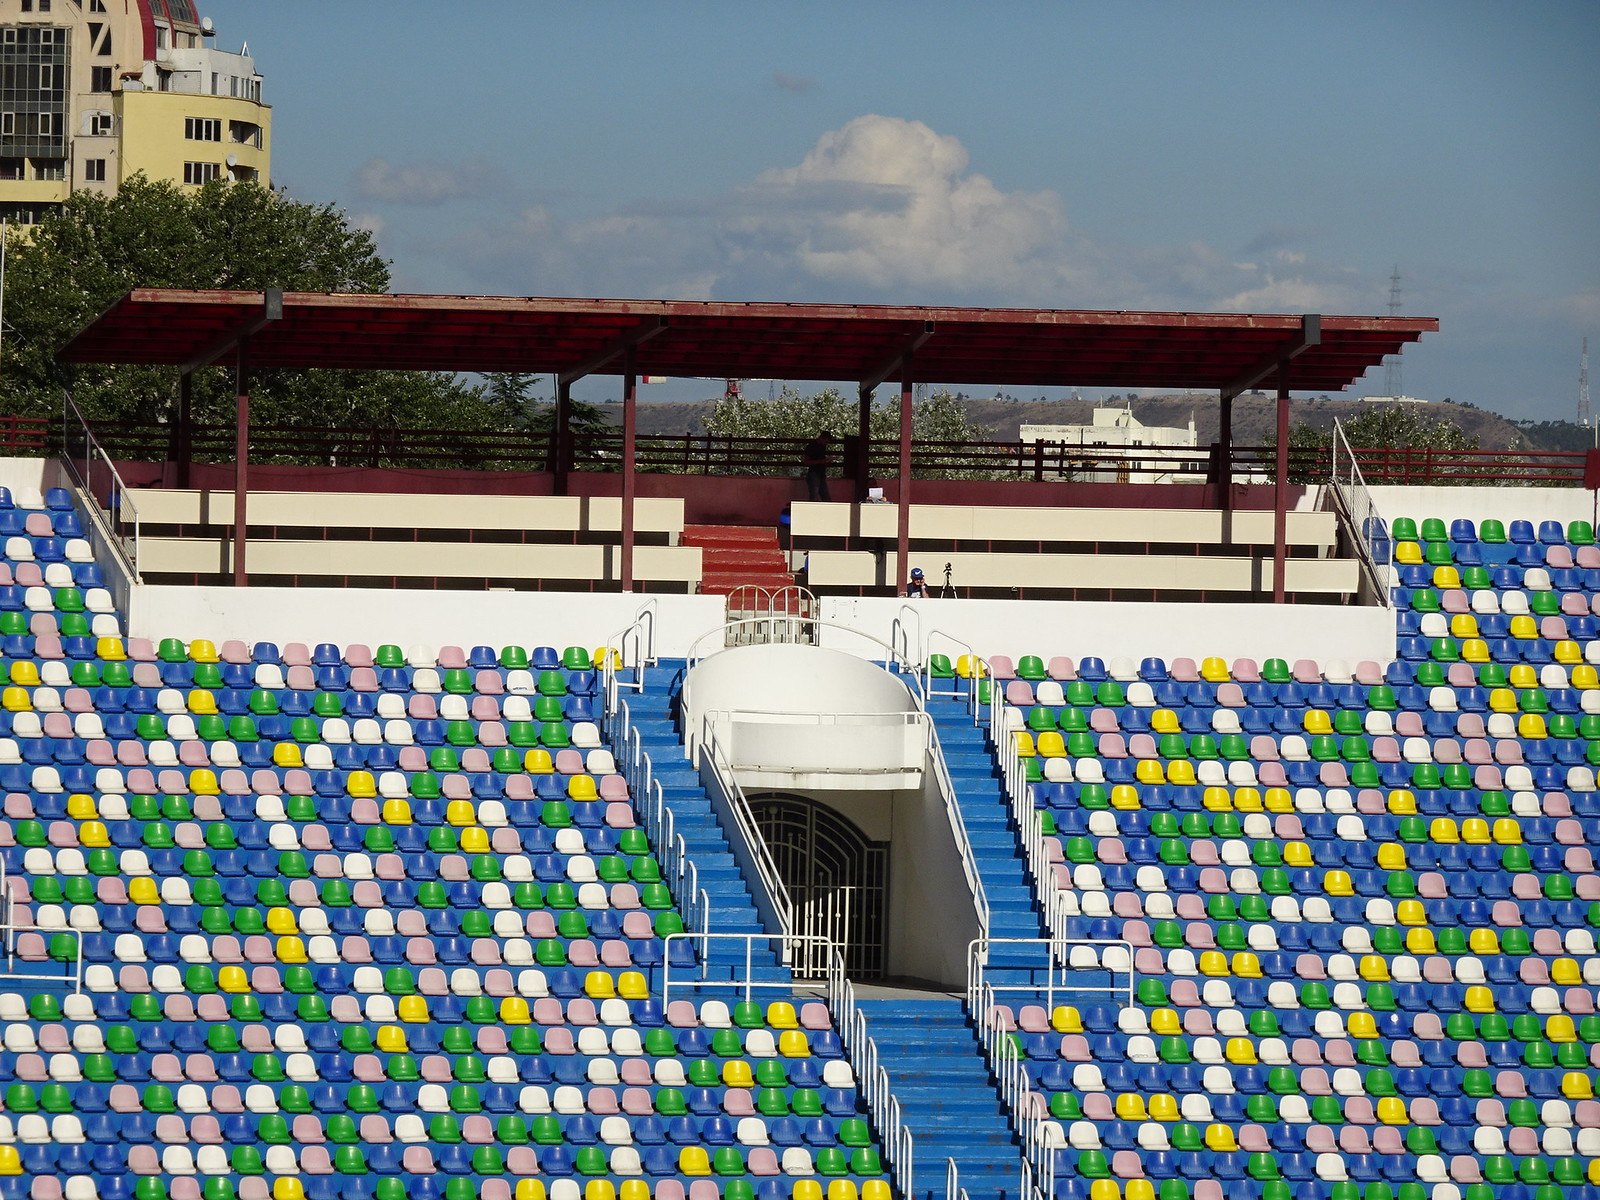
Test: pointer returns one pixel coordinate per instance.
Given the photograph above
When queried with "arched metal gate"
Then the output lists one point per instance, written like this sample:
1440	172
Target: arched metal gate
837	880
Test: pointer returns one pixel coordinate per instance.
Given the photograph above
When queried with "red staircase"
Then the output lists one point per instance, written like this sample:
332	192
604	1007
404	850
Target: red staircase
734	555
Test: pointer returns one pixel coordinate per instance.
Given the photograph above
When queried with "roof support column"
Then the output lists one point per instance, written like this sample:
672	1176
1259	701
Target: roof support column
863	443
1280	491
241	461
561	446
630	398
1224	459
903	546
181	451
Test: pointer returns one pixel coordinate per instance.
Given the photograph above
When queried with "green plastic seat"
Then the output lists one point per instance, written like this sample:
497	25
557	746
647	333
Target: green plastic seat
1110	694
1404	529
1031	668
1276	670
576	658
939	667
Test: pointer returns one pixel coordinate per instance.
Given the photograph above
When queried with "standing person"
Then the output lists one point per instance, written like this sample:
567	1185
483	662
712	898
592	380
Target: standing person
816	464
917	585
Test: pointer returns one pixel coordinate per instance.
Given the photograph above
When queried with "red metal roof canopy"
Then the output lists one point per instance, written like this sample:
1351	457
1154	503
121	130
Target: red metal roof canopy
711	339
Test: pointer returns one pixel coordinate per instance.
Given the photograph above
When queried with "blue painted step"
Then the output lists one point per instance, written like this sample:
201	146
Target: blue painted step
947	1097
732	909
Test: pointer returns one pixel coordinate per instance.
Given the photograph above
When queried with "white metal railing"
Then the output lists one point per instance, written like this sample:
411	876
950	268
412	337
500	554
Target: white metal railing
74	968
905	634
1062	966
112	526
786	614
659	826
958	829
861	1051
756	855
980	670
635	646
1368	530
885	655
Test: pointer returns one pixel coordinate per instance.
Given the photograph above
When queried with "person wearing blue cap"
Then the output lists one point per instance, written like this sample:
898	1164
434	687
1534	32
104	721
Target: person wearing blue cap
917	586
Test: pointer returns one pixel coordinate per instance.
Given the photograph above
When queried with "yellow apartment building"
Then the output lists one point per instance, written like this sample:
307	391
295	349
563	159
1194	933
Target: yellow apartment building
94	91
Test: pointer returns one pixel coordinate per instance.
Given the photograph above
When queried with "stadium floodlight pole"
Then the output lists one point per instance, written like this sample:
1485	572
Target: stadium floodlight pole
903	526
630	403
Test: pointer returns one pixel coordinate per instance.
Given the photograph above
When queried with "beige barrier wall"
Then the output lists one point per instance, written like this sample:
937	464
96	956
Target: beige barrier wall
404	510
953	522
418	560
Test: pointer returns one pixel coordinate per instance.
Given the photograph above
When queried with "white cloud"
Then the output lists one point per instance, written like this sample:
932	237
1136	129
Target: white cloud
425	185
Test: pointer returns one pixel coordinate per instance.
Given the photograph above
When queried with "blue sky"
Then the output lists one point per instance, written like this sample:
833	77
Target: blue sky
1243	156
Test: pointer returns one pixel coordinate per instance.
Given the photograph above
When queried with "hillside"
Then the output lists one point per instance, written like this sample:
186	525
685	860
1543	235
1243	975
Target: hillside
1253	418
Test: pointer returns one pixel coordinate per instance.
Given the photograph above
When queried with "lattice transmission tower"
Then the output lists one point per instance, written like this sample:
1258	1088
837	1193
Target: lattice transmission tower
1391	368
1584	416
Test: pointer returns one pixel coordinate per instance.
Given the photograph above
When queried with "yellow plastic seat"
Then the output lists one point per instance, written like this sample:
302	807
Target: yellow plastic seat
598	985
1391	857
1479	999
1446	578
287	754
1317	721
1531	727
1337	883
288	1187
361	785
1217	799
1521	676
1240	1051
1421	941
1560	1028
1024	744
1575	1085
1164	720
1130	1107
1298	854
514	1010
1220	1139
93	835
793	1043
1392	1111
1105	1189
143	890
1214	670
1064	1018
1524	627
1483	942
10	1161
1148	771
460	813
280	921
1506	832
538	762
970	667
203	650
1213	963
15	699
1279	800
1140	1189
1051	745
292	950
806	1189
1565	972
1362	1026
1164	1107
1585	678
781	1015
693	1162
391	1039
110	649
413	1010
1464	625
1475	650
1246	965
1125	796
1410	913
1502	700
397	812
1408	554
736	1074
876	1189
202	702
1180	773
475	840
600	1189
632	985
582	788
633	1189
81	807
25	673
533	1189
1402	803
1248	800
1475	831
233	980
842	1189
203	782
1442	831
1164	1022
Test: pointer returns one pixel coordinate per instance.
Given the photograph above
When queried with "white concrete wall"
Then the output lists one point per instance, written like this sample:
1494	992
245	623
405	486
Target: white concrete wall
1108	629
1505	504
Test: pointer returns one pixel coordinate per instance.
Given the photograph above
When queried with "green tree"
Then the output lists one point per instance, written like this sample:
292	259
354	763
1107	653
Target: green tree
83	257
1378	427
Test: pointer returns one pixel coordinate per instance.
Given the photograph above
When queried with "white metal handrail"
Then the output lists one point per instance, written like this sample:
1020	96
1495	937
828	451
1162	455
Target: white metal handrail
74	973
980	670
1368	530
861	1051
889	659
1056	962
958	828
744	822
640	638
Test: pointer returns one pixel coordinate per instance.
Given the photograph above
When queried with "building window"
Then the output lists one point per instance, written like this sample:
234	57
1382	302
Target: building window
94	170
245	133
199	173
49	168
100	124
8	125
203	129
99	79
